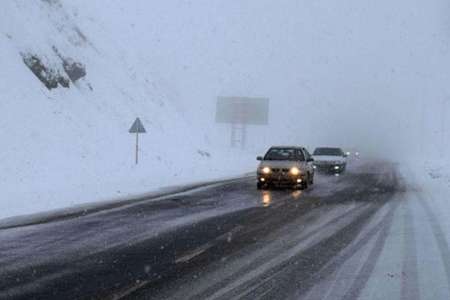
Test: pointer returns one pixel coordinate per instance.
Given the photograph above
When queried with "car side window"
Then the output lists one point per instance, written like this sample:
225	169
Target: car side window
307	155
300	155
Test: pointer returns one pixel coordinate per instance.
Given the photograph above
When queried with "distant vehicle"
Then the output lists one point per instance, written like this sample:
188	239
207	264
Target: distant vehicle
352	152
330	160
286	166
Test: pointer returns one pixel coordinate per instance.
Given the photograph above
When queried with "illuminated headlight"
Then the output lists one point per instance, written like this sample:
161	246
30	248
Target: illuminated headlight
315	167
266	170
337	167
295	171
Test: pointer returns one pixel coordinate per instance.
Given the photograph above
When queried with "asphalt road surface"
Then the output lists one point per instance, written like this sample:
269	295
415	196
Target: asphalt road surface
343	238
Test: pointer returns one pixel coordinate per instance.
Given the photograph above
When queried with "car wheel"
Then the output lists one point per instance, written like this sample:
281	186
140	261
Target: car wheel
311	181
259	186
304	185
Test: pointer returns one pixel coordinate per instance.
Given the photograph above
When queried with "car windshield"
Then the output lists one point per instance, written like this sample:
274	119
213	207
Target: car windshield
328	152
284	154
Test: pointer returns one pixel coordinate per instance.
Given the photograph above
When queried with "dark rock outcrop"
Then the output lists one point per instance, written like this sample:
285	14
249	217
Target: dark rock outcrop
49	77
74	70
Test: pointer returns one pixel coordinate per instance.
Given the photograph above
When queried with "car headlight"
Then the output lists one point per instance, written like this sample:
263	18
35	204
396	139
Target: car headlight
295	171
266	170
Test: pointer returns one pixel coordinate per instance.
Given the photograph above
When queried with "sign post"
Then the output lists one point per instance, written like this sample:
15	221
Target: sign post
137	128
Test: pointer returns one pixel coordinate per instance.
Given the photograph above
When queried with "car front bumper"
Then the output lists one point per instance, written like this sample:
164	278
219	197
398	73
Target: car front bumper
330	168
281	179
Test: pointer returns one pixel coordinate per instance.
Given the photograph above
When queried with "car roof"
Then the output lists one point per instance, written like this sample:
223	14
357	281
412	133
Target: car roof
334	148
283	147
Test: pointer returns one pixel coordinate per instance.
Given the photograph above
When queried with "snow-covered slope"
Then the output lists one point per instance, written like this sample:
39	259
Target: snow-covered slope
68	145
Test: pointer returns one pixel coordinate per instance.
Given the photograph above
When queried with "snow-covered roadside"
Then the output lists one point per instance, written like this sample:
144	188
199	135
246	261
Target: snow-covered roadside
126	182
430	182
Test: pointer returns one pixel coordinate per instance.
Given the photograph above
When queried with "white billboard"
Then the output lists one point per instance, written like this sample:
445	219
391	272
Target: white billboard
242	110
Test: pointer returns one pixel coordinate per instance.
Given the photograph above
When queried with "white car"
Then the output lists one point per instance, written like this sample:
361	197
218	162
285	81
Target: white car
330	160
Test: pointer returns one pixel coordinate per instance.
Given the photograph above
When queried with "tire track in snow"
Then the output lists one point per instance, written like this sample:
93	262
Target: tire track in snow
301	261
352	213
410	276
366	270
373	232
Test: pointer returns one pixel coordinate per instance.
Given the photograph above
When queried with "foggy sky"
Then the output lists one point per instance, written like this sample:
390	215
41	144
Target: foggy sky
366	74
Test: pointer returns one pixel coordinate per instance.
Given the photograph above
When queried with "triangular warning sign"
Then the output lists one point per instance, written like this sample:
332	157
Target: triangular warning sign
137	127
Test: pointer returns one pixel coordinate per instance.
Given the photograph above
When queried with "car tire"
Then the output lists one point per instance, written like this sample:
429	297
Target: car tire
311	181
304	185
259	186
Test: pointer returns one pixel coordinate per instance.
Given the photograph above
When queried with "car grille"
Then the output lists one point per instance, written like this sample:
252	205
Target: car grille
324	167
277	170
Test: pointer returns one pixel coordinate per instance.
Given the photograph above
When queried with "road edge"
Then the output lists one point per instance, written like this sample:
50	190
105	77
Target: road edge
94	207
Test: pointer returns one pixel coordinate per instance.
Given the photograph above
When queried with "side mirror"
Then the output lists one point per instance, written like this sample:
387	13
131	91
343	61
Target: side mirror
259	158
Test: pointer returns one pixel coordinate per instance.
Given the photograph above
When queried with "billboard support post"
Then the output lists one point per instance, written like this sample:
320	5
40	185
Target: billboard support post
240	112
238	135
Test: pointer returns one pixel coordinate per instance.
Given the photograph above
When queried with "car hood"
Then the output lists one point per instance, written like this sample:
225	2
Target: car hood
328	158
279	164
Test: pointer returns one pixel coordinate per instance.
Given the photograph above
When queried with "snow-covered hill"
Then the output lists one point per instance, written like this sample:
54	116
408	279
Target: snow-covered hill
69	92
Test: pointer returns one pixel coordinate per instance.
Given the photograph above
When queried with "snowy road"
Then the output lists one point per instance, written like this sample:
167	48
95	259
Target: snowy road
360	235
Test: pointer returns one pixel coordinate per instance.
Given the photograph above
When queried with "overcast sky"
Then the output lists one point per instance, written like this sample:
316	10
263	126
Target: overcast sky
359	73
